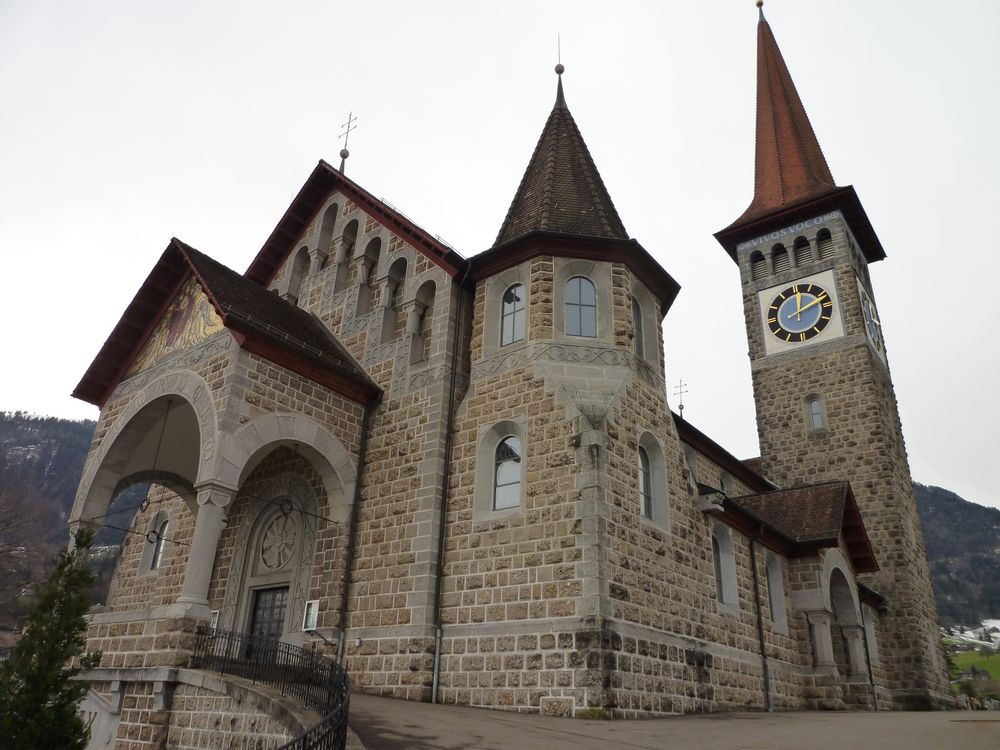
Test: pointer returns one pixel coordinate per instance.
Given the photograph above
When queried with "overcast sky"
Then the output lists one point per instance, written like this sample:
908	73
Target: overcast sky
126	123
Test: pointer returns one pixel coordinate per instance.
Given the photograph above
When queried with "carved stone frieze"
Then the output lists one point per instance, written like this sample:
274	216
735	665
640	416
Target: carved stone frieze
182	361
563	352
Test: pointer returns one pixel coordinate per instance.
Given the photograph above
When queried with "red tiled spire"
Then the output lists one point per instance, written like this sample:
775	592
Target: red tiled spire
561	190
790	167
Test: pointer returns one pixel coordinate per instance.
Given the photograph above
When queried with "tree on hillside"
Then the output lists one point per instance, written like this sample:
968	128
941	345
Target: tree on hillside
39	700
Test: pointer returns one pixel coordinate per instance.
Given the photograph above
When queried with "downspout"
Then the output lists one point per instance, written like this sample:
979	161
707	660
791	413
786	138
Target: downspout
445	481
760	625
352	528
868	656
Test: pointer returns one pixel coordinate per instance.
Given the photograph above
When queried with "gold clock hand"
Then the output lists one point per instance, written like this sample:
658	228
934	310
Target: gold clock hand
798	305
814	302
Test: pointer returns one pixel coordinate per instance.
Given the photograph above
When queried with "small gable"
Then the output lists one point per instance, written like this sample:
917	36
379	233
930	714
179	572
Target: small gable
187	322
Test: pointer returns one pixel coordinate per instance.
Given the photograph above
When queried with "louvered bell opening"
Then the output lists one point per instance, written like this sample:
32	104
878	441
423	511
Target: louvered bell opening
781	260
758	267
803	252
824	243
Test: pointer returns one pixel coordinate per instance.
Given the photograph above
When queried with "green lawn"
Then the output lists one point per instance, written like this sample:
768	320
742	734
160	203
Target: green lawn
966	659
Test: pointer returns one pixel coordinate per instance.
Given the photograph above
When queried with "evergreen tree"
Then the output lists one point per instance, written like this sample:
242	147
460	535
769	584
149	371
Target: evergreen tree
39	700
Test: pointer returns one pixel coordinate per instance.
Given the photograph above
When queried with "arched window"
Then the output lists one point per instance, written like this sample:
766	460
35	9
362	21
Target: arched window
645	485
803	251
652	480
507	474
367	276
758	266
421	322
580	307
155	546
717	566
775	591
347	241
512	316
638	344
814	406
392	323
300	267
156	560
724	562
325	246
779	259
824	243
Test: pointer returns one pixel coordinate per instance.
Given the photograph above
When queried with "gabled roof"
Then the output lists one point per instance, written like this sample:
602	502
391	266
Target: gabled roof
702	443
263	322
812	516
792	180
561	190
310	199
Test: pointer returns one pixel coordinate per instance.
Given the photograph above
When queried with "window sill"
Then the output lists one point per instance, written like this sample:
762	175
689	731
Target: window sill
489	516
651	524
729	610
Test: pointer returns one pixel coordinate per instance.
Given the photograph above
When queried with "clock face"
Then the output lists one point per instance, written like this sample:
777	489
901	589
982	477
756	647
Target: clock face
873	328
799	312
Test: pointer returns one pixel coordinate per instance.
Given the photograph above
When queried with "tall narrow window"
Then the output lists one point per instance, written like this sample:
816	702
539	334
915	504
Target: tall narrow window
507	474
638	344
720	593
512	316
580	307
772	594
157	557
816	413
645	485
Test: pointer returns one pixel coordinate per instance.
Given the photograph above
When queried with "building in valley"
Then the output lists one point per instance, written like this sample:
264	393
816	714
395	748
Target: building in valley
462	478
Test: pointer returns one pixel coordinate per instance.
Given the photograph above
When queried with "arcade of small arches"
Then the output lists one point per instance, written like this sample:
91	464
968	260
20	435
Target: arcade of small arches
781	258
406	305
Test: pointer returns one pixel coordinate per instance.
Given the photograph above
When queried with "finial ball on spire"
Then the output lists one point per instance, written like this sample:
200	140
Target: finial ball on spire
344	153
560	68
760	3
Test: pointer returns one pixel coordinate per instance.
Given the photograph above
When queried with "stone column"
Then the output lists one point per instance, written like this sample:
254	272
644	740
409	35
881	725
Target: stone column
213	506
316	258
819	628
854	638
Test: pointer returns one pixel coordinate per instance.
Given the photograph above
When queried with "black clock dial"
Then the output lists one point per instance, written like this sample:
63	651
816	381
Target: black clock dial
799	312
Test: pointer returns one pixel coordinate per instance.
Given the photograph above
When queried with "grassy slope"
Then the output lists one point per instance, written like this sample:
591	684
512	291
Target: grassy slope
966	659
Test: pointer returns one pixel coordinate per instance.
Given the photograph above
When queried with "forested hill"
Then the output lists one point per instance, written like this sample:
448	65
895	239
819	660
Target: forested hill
41	459
963	547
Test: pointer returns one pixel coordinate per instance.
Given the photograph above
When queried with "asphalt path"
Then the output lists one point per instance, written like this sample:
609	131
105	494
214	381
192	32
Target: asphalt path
388	724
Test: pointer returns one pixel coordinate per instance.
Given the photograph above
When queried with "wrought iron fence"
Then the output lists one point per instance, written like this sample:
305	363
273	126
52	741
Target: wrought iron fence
300	673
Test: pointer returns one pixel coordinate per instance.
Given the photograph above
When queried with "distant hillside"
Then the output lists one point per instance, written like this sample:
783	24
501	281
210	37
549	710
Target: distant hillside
963	547
41	460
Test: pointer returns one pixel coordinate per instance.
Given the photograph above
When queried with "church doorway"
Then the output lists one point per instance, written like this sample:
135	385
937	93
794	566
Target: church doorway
269	609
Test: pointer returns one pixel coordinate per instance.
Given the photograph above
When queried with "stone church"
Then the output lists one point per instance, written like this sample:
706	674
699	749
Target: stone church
461	478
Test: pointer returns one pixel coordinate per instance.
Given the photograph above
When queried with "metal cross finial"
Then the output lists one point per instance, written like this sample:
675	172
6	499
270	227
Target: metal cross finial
679	391
348	127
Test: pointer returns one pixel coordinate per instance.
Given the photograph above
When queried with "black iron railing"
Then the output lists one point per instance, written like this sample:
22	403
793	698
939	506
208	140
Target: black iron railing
300	673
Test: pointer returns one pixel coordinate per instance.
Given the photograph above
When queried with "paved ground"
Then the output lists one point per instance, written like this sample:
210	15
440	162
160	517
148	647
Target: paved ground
387	724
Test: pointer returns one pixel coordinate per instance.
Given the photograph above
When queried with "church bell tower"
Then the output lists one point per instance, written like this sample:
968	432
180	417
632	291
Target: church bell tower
824	397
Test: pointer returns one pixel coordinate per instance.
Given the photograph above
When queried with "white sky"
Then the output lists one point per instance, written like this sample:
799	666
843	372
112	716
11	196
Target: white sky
126	123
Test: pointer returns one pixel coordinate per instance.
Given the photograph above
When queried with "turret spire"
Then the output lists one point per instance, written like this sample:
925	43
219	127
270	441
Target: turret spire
561	190
790	166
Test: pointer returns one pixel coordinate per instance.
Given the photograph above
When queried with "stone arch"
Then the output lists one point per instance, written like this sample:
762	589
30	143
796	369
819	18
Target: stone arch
840	593
121	458
242	452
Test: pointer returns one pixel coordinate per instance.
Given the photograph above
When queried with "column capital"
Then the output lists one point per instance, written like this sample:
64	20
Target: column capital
819	617
215	493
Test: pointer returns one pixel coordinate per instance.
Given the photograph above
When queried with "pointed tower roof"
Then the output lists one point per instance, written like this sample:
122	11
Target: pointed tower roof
792	180
790	166
561	190
562	209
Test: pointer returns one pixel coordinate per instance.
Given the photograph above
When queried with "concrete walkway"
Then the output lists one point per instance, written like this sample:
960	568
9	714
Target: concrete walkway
387	724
